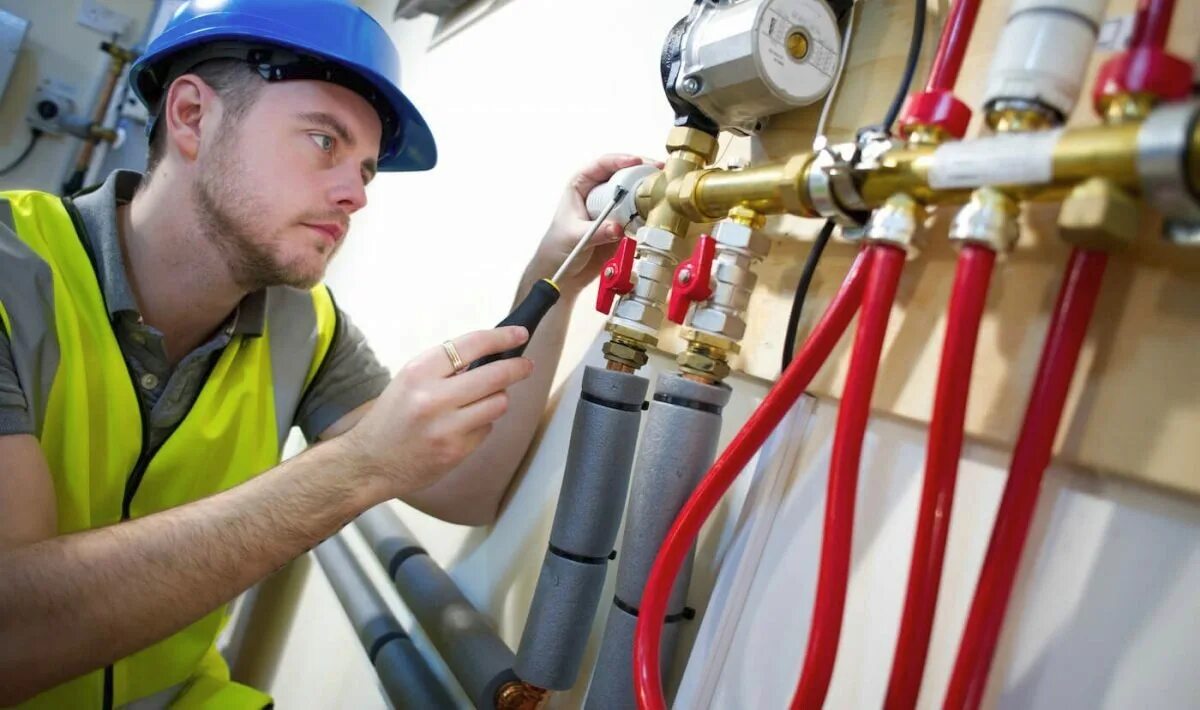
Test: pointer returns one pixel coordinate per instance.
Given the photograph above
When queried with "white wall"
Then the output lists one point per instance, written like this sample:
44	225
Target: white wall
57	47
1105	614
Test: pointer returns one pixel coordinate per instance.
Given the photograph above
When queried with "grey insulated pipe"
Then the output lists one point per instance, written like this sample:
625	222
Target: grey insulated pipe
406	678
596	479
463	637
677	447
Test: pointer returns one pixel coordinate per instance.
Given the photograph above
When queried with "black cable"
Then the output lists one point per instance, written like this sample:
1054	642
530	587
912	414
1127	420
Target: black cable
806	277
814	256
910	66
34	135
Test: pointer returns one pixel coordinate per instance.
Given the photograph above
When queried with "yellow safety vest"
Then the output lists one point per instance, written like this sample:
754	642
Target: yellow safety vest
89	424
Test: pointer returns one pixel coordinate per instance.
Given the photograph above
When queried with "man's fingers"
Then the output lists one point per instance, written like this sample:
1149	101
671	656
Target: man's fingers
600	171
485	381
482	413
609	232
436	361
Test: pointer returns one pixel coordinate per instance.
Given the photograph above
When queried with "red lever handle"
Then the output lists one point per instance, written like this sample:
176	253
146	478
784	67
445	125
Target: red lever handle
692	279
616	278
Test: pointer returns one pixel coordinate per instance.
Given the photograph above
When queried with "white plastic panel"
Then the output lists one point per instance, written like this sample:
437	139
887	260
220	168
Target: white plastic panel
12	35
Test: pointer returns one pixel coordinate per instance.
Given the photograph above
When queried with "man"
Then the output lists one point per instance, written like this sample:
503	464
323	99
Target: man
162	333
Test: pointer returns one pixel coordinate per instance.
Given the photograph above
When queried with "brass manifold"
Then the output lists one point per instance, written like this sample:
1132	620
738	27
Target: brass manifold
1109	152
686	192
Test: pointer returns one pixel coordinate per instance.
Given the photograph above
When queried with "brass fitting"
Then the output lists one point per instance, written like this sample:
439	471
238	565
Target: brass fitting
989	219
896	223
688	149
627	347
706	357
1126	106
691	140
747	217
1013	119
518	695
99	133
710	340
923	134
1098	215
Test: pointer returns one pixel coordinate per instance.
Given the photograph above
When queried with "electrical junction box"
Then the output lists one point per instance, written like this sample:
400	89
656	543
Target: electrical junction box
12	34
53	107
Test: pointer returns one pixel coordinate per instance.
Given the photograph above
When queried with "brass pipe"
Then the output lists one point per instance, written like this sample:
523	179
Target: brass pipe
709	195
1079	154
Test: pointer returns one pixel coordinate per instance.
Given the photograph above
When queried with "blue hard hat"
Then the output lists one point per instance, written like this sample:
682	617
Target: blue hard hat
329	40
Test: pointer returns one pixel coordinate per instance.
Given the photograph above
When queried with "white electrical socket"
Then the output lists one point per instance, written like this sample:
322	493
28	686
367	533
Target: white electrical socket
103	19
53	106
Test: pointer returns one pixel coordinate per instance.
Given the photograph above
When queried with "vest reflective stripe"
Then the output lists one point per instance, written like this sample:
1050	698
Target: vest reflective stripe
90	425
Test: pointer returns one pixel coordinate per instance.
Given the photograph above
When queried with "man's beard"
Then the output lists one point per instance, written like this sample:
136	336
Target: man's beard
226	215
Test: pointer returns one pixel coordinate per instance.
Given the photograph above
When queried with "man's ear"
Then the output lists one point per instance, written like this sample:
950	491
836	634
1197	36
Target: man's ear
191	107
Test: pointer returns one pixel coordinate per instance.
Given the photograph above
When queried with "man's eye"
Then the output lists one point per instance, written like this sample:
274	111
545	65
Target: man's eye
323	141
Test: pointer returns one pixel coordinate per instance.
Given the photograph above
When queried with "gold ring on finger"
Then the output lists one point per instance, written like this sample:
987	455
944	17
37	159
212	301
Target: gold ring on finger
456	360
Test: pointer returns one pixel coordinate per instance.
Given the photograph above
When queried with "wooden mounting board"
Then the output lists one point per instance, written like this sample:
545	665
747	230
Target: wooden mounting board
1134	407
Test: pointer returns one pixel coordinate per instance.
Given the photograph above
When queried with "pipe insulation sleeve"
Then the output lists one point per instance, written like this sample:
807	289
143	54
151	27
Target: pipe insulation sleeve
560	621
612	680
586	522
678	444
463	637
599	458
406	678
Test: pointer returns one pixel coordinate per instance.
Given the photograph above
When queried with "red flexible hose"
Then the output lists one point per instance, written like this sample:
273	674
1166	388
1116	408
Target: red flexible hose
1152	22
646	673
952	46
1068	326
830	601
965	311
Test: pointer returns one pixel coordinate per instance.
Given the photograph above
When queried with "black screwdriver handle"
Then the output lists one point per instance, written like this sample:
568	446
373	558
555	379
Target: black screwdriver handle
528	313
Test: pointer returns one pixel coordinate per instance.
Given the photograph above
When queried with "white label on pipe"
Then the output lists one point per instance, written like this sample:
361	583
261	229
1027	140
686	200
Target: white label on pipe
1026	159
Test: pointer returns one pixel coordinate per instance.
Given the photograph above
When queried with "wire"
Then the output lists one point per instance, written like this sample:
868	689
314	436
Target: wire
818	248
806	277
819	140
35	135
910	66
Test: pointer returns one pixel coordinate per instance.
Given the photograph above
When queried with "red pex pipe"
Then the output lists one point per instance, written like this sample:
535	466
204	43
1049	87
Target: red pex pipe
1151	24
971	279
1068	326
646	673
829	604
952	46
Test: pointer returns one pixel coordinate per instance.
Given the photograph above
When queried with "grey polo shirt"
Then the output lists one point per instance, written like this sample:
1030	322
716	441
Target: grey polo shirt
350	377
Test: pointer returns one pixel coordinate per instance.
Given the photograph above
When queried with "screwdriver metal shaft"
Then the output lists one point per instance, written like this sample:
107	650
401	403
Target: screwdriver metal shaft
544	294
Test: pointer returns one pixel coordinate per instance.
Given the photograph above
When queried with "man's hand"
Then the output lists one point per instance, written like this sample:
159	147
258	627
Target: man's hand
571	221
429	419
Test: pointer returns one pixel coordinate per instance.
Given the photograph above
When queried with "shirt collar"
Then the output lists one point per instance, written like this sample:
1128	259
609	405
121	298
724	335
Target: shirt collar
97	210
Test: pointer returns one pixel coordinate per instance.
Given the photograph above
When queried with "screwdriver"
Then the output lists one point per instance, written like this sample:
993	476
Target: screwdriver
544	294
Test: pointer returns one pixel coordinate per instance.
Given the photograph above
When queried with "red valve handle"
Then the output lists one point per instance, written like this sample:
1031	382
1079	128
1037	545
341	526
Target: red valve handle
692	279
616	278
